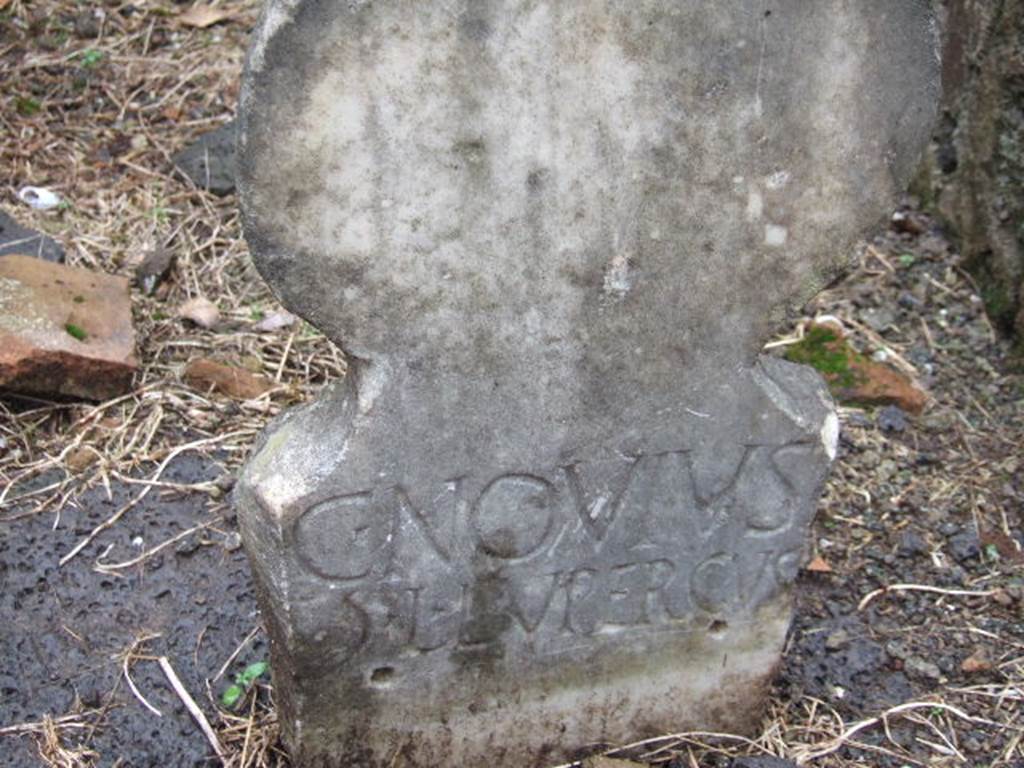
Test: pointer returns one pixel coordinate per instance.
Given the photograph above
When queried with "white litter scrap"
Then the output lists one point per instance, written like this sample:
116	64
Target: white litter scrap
40	198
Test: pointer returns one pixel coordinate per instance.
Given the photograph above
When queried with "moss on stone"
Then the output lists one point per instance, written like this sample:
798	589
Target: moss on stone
826	352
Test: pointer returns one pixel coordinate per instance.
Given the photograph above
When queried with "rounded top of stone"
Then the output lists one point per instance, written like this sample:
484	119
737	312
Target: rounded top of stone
507	183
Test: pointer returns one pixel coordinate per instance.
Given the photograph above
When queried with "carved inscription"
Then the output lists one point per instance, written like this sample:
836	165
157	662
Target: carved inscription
638	542
514	515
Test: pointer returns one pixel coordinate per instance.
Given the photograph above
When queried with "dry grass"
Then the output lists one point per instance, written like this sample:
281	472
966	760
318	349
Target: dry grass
102	135
97	120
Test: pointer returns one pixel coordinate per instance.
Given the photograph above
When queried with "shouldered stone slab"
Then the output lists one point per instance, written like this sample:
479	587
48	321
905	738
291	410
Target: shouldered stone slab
559	500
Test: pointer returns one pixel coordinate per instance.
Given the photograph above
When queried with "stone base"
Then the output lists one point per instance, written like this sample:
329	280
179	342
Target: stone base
516	609
508	712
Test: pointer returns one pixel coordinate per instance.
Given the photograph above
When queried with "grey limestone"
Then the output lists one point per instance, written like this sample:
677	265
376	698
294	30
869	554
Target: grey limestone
560	499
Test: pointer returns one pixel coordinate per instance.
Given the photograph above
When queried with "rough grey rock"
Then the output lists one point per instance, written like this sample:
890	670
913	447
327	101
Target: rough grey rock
838	640
559	500
210	160
912	545
892	418
974	175
920	667
965	545
16	239
154	268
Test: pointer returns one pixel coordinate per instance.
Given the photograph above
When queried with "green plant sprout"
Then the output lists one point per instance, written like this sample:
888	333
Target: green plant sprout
243	682
91	57
27	106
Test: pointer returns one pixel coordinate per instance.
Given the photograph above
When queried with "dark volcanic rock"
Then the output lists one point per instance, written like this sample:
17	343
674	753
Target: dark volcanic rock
210	160
154	268
892	419
965	546
15	238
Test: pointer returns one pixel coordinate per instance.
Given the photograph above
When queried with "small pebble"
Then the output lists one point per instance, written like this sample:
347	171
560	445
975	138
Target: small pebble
886	470
838	640
87	25
879	319
908	300
187	546
856	419
912	545
965	546
949	528
834	608
896	650
892	419
1003	597
225	482
922	668
762	762
874	553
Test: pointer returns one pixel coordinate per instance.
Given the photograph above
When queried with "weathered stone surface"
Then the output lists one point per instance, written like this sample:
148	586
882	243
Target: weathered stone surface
64	331
974	175
559	500
210	160
16	239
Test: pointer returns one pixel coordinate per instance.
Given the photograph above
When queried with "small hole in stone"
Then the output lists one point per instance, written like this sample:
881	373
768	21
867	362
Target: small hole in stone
718	627
382	675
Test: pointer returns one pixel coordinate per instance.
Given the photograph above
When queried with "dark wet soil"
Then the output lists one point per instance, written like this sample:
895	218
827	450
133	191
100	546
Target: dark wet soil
65	628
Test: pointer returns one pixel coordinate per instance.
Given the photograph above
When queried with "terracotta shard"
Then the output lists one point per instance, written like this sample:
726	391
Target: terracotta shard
64	331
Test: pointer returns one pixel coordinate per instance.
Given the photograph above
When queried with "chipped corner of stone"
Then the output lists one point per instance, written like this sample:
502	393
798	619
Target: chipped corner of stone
800	393
295	455
261	522
830	431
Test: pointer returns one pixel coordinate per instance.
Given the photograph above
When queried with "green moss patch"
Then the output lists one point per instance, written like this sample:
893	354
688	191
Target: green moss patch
825	351
77	331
